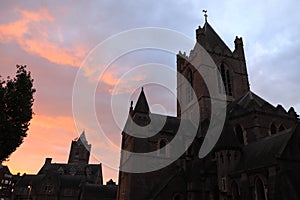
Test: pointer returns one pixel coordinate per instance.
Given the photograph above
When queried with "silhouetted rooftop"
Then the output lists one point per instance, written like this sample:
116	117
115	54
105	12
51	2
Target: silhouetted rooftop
142	104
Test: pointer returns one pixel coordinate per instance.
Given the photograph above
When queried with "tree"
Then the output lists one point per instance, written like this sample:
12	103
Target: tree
16	100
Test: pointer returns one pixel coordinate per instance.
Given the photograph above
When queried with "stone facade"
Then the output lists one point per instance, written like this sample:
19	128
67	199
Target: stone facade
255	158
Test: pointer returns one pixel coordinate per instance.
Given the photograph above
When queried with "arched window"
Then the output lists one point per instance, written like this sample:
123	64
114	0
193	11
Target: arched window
162	150
239	133
189	87
273	129
281	128
48	188
228	156
226	77
235	191
181	65
222	158
260	190
76	156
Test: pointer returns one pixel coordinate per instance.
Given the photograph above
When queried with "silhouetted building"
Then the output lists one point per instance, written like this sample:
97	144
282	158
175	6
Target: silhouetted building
66	181
257	156
6	182
96	192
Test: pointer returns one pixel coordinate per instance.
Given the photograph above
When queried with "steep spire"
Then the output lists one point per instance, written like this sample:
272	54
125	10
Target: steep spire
142	104
83	140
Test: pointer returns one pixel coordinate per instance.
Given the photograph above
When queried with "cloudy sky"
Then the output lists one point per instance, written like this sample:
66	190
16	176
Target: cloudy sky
54	37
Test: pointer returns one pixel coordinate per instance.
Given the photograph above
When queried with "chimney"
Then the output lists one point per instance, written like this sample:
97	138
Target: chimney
48	161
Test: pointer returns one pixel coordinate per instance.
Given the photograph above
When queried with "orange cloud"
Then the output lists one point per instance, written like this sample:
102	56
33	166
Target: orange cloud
64	123
31	33
109	78
116	83
47	137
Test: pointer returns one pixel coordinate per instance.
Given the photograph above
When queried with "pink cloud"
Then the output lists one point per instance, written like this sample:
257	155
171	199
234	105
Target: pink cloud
34	32
47	137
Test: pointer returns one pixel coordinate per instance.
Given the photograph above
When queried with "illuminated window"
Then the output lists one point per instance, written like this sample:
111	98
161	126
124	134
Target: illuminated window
48	188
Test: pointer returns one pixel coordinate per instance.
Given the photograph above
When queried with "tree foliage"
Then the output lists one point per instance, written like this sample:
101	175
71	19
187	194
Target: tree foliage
16	100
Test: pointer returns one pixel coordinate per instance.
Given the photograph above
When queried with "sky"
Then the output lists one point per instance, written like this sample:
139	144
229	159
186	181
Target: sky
53	38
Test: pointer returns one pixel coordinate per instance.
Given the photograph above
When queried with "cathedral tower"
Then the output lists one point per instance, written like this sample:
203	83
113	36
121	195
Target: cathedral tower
80	150
231	66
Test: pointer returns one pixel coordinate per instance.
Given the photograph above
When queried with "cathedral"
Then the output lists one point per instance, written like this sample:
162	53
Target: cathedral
257	156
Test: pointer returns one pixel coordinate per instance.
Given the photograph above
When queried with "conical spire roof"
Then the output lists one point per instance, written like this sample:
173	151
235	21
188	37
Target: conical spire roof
142	104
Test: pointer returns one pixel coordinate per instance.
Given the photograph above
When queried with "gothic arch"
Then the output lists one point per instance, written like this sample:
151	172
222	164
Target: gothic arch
273	128
281	128
189	88
177	196
226	75
162	147
235	191
260	192
240	133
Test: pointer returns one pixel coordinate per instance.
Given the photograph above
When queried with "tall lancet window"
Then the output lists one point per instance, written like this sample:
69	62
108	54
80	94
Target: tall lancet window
189	87
235	191
260	192
227	80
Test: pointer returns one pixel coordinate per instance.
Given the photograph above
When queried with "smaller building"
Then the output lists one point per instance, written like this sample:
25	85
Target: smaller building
67	181
6	182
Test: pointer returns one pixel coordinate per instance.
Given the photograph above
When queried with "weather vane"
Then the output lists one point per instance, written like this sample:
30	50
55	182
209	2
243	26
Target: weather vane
205	14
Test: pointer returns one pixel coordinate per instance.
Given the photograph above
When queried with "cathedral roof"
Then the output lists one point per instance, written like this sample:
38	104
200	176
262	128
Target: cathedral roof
265	151
287	183
142	104
166	124
252	102
213	40
69	168
249	101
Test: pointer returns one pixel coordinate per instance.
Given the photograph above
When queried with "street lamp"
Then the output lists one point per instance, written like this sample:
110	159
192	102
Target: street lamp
29	191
